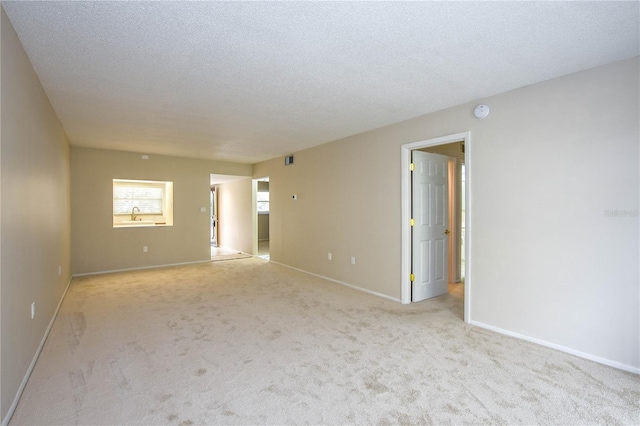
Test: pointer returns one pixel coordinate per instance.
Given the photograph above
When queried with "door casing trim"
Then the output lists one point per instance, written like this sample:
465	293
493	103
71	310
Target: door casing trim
405	191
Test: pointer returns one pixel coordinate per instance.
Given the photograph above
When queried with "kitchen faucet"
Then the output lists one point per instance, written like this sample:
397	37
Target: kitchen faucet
133	212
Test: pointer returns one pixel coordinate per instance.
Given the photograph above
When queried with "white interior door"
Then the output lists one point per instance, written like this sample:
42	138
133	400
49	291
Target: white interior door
214	217
430	232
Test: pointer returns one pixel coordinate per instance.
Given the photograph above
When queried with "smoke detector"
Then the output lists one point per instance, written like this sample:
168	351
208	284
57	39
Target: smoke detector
481	111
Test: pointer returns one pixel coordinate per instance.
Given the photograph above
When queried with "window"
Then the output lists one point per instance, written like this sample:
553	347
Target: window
147	199
262	199
262	196
142	203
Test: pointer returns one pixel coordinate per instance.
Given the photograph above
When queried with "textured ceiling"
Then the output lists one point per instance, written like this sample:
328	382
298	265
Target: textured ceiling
249	81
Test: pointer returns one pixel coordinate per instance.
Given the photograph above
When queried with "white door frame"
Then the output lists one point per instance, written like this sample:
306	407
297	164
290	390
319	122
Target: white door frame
405	190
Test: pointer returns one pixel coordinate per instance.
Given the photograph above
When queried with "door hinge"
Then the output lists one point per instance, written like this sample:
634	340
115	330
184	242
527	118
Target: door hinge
412	222
412	166
412	277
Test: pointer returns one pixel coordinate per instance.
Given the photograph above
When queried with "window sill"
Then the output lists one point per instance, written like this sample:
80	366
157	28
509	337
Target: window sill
138	223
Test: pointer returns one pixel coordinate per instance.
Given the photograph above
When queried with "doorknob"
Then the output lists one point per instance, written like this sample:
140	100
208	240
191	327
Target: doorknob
447	232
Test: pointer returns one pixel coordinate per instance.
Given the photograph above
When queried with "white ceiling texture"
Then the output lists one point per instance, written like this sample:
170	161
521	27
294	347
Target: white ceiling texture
249	81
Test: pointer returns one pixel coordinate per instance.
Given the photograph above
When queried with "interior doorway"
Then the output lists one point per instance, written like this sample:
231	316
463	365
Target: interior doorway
462	239
455	203
262	214
221	226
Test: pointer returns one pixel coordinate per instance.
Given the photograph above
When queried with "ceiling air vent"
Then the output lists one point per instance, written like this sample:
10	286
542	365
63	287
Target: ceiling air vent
288	160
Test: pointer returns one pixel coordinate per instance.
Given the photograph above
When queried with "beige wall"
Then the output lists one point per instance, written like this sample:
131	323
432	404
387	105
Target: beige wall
235	215
347	204
97	246
35	214
546	262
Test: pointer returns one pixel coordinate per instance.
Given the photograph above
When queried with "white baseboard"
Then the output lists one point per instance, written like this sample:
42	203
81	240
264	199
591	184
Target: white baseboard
139	268
12	409
610	363
340	282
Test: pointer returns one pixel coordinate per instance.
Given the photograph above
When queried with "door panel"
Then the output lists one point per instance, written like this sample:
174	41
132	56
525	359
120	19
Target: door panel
430	242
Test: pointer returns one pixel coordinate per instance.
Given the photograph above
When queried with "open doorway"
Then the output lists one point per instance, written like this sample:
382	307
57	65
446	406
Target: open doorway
455	199
453	155
224	231
262	208
461	243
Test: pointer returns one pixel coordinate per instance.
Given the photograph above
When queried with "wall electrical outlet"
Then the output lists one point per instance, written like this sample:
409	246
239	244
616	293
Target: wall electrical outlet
328	256
353	260
33	310
59	270
145	249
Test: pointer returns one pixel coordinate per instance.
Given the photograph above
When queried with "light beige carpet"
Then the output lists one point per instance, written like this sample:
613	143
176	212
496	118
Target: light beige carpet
251	342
